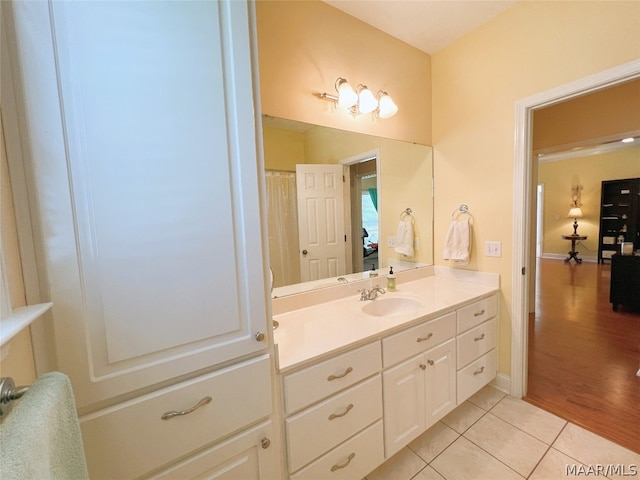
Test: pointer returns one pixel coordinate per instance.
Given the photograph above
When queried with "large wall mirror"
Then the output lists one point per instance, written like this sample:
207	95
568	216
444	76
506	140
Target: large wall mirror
335	201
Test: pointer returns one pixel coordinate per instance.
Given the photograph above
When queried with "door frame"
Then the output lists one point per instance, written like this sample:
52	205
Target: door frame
523	263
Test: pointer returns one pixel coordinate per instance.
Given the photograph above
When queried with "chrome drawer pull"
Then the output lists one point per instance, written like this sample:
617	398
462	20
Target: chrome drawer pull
477	314
479	371
168	415
477	339
424	339
345	464
338	415
346	372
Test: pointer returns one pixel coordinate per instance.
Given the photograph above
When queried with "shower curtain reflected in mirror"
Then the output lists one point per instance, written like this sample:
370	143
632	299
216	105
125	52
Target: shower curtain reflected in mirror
283	227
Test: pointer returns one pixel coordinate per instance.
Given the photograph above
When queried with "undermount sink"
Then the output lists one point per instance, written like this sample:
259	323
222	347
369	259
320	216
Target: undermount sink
391	306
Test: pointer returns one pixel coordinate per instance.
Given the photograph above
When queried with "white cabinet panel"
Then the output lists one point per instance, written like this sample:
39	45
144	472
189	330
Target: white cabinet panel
130	439
476	375
250	455
440	381
319	428
147	197
477	312
476	342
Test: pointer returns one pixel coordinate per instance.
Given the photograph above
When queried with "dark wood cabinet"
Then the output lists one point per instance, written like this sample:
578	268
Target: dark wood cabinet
619	216
625	280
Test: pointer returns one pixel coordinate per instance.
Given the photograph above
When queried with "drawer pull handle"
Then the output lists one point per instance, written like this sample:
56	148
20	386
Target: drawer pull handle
477	314
479	371
338	415
201	403
477	339
424	339
335	377
345	464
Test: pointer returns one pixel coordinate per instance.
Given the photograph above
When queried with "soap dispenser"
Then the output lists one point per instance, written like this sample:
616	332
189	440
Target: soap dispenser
391	280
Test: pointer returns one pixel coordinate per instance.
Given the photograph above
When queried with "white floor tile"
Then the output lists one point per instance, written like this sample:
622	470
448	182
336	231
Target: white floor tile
529	418
512	446
593	450
555	466
402	466
428	473
487	398
465	461
432	442
463	417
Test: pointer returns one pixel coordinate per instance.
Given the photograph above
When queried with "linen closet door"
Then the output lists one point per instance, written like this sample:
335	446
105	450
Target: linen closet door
140	117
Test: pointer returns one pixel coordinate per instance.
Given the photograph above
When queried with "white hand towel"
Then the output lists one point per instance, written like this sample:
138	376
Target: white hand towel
404	238
457	244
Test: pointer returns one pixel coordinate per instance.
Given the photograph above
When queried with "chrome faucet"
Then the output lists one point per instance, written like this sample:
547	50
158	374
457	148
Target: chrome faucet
371	294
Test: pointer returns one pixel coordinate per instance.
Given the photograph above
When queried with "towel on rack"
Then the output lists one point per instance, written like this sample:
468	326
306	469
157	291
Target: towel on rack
404	238
457	243
40	438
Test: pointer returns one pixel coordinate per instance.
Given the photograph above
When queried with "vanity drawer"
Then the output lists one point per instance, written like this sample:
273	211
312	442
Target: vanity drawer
142	440
476	313
319	428
352	460
476	342
326	378
476	375
414	340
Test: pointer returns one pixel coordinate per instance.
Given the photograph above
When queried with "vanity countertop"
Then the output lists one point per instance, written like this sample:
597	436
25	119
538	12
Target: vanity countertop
324	329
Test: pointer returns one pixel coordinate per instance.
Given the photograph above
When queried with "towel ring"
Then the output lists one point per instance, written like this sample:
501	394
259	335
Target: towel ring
461	210
406	211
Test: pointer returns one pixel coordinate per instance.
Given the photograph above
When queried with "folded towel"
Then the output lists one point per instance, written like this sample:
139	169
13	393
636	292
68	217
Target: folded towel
404	238
40	438
457	243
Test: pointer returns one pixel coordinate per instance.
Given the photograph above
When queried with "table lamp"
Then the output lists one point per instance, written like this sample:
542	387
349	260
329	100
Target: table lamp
575	213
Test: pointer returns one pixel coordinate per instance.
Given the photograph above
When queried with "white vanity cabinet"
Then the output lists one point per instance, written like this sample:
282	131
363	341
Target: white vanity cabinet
421	390
334	427
140	132
477	360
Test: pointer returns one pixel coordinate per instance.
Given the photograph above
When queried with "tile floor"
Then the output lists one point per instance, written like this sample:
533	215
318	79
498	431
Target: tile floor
494	436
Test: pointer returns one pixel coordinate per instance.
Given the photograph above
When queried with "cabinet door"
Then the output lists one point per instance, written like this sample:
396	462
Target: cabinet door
247	456
440	382
141	122
404	407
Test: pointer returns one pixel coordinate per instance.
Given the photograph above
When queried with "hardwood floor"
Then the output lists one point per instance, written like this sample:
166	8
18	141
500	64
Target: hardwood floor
583	356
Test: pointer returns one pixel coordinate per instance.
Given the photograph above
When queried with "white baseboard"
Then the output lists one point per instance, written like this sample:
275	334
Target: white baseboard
502	382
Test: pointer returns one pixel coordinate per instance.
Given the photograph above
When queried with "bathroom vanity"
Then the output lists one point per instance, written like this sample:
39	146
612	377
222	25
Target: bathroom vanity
361	379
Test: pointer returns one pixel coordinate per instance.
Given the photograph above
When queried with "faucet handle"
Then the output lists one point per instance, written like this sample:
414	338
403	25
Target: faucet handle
364	294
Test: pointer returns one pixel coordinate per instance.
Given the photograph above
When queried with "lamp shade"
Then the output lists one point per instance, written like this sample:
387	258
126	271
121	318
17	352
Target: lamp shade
387	107
347	96
575	212
367	101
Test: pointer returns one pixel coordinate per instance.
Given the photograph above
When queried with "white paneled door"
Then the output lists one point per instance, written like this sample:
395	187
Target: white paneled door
321	221
147	196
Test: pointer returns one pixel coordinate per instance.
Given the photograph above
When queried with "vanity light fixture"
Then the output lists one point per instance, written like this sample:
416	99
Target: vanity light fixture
361	100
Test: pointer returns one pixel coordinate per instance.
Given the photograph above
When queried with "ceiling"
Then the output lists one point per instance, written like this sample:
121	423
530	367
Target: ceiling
428	25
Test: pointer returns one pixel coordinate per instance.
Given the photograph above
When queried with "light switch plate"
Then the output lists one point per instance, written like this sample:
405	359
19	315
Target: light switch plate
493	249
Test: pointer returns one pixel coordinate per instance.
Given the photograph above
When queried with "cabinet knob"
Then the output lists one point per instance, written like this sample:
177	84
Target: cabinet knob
304	252
430	362
260	336
423	366
265	443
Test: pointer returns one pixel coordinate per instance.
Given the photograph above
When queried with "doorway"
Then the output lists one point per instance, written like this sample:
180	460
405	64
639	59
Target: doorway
523	261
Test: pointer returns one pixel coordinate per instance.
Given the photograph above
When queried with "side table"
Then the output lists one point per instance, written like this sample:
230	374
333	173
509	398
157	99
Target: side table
573	254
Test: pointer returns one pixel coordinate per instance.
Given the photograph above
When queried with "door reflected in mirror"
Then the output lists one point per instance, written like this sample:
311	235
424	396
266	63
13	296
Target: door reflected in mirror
334	201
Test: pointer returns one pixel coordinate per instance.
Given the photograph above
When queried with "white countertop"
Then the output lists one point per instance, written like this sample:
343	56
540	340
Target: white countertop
324	329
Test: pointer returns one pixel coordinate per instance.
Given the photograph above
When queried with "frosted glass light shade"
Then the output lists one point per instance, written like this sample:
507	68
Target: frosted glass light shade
575	212
387	108
367	101
347	97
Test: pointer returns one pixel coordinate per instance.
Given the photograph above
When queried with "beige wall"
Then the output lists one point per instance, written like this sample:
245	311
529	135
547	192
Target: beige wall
559	176
304	46
530	48
601	114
